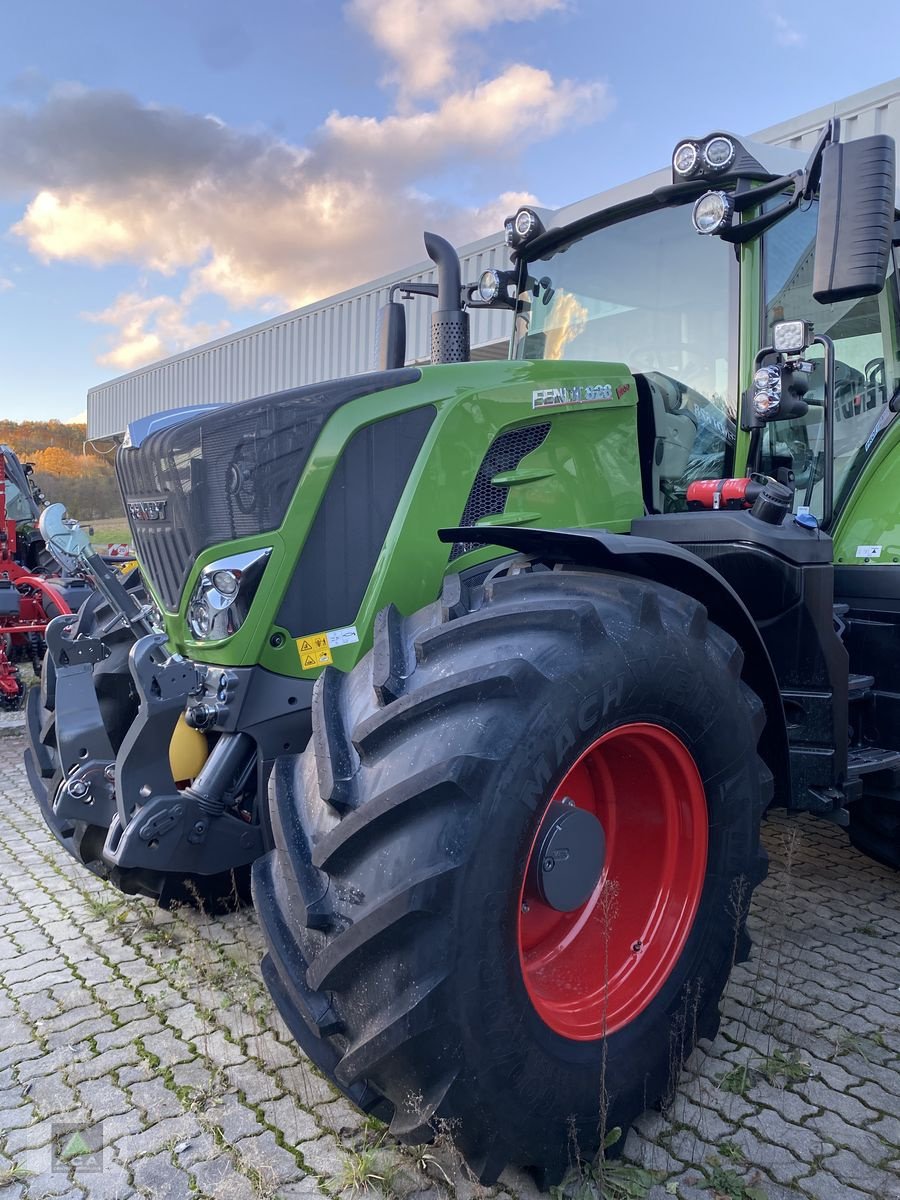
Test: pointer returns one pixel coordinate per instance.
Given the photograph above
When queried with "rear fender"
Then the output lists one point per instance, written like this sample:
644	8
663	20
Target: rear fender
676	568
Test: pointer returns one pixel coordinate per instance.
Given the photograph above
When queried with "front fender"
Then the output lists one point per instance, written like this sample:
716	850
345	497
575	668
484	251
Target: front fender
676	568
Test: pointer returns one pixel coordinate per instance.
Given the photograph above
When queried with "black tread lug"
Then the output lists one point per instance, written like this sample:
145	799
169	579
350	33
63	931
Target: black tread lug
416	1122
311	886
319	1051
311	1008
409	1014
389	665
440	783
454	598
579	617
400	915
336	763
491	681
650	614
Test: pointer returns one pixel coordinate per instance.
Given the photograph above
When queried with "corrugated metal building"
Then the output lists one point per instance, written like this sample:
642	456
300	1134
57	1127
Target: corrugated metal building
336	336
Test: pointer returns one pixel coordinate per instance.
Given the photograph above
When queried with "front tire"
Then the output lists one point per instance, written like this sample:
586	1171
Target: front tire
400	948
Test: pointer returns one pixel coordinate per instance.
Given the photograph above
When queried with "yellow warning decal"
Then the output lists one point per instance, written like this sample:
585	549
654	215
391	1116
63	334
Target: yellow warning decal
314	651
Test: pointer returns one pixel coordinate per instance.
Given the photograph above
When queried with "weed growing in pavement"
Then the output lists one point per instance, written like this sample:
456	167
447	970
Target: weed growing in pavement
779	1066
110	909
14	1174
861	1044
366	1167
726	1184
732	1152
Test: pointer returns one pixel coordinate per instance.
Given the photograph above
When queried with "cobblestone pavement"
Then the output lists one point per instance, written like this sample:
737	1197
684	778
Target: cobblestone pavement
153	1033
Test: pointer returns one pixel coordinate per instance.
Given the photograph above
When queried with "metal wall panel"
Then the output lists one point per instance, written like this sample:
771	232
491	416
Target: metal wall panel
336	336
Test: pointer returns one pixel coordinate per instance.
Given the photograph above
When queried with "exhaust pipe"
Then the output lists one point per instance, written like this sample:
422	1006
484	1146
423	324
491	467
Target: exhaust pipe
450	323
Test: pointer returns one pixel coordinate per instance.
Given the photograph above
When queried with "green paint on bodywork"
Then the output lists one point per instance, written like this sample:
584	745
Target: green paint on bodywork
585	474
748	339
871	516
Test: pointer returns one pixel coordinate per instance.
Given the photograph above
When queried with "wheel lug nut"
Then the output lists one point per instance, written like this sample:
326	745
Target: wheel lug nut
549	864
637	946
525	906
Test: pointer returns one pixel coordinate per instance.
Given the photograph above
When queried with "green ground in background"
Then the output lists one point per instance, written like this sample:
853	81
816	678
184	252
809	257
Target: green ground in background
113	529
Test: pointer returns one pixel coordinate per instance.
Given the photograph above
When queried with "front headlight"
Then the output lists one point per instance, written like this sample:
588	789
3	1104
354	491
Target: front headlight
223	594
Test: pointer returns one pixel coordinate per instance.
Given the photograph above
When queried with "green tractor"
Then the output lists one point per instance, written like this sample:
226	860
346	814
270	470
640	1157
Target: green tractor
496	666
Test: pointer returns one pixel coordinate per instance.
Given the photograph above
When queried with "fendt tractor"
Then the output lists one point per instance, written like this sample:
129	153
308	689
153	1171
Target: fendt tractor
491	669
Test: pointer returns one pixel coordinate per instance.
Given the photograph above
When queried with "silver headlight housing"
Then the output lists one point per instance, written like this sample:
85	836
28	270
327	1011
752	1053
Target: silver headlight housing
223	594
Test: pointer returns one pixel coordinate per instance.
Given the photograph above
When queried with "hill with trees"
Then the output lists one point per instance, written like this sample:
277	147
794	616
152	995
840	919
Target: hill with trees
65	467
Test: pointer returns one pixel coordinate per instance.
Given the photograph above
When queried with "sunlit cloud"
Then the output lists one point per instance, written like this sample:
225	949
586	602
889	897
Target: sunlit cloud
262	222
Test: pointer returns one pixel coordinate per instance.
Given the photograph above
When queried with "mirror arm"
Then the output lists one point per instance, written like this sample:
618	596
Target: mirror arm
413	289
747	230
812	172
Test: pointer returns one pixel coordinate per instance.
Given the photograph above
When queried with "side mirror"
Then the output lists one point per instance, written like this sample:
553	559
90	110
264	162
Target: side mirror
856	219
390	336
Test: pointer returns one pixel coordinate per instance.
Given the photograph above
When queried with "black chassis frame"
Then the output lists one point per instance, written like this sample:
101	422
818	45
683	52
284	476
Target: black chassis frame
154	827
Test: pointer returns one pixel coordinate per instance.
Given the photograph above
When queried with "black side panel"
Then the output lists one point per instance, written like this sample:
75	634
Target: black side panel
349	529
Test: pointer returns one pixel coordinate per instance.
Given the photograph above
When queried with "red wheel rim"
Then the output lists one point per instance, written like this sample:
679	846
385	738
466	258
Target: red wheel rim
591	971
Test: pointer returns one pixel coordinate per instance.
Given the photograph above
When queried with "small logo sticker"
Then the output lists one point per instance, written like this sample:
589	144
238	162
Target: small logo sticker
868	551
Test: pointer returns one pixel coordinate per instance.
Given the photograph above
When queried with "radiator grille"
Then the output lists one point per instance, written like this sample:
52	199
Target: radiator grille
487	498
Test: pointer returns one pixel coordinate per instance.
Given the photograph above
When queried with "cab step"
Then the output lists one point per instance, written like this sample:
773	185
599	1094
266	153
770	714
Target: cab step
859	686
867	760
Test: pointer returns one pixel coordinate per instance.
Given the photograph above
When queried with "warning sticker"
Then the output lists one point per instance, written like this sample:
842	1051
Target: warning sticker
315	648
314	651
868	552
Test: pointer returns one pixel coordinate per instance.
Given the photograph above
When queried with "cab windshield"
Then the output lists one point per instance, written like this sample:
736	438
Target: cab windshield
650	293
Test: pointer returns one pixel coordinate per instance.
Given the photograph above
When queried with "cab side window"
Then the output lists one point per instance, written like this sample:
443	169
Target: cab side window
866	337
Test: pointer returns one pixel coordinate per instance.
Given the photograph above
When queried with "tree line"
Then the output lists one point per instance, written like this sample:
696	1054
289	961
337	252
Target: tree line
65	467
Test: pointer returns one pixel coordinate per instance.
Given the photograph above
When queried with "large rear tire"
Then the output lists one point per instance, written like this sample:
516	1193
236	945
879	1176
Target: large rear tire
407	954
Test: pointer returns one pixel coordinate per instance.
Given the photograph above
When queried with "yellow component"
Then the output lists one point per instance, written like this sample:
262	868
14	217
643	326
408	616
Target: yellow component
314	651
127	567
188	751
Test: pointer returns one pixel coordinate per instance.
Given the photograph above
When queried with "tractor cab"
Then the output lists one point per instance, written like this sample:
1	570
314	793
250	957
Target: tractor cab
748	249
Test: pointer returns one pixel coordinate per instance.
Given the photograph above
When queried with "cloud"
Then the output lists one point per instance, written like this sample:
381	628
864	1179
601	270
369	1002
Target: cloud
264	222
6	285
258	220
423	36
785	33
147	327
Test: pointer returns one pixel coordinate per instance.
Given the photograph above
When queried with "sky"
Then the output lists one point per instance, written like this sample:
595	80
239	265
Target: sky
172	171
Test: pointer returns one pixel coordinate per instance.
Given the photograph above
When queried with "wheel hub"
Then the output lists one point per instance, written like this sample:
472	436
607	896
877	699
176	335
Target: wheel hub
568	858
613	881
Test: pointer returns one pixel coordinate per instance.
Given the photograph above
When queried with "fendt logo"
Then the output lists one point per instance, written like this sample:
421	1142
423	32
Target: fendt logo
147	510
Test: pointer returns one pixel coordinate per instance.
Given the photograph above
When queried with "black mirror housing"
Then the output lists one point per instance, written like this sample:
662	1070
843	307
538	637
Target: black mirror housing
390	336
856	218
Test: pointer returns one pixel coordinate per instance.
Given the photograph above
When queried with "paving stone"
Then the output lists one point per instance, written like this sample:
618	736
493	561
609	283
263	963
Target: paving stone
157	1176
323	1156
157	1137
156	1099
340	1117
234	1119
271	1163
218	1178
854	1172
292	1121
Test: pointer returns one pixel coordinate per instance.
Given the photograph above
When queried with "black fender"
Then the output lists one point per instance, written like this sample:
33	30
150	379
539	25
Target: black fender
676	568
